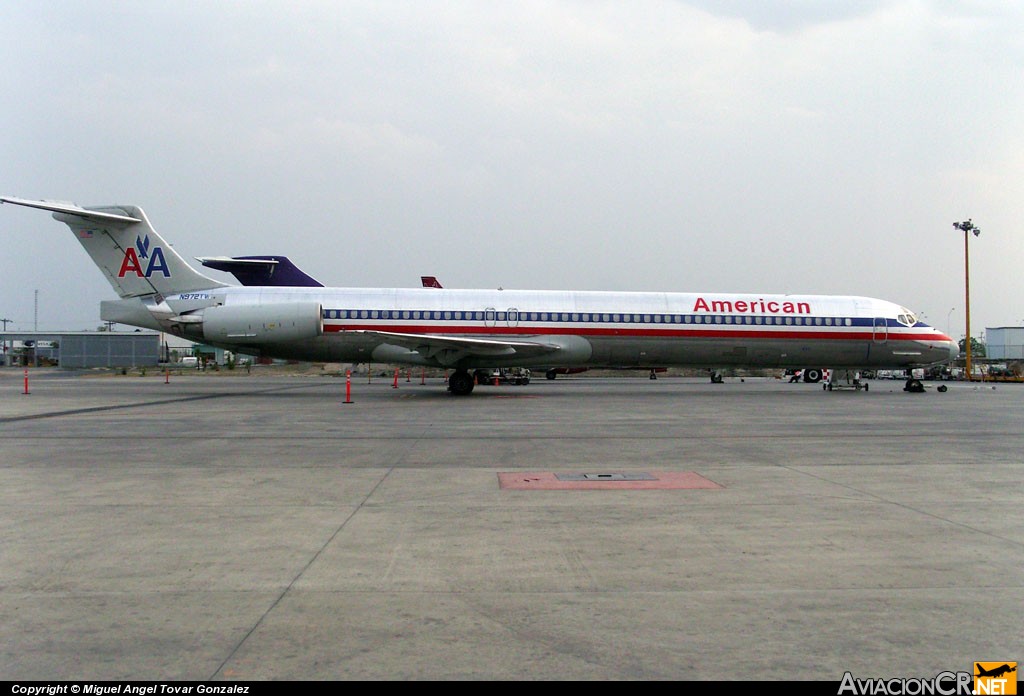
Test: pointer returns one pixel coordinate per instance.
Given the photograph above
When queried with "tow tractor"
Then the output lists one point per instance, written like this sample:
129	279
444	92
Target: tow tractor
807	374
503	375
915	383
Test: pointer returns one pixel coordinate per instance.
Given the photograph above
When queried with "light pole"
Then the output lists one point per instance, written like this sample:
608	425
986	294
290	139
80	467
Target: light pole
3	357
967	226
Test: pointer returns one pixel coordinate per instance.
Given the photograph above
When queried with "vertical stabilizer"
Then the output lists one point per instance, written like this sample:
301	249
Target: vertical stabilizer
121	241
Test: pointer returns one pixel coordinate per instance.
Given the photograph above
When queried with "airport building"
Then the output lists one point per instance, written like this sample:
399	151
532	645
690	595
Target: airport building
1004	343
80	348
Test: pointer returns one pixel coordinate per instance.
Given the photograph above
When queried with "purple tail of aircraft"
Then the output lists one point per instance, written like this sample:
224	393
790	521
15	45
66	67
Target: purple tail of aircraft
276	271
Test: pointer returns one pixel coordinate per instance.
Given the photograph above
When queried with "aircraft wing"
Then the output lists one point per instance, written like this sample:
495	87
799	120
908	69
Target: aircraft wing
430	345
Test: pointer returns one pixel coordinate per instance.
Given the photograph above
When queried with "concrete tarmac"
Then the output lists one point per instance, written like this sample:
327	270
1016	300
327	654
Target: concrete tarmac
233	527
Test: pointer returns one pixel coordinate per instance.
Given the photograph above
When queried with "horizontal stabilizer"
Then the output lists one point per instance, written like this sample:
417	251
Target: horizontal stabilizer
72	209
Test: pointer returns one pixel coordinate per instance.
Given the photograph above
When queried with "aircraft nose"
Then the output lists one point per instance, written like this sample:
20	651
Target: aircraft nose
954	350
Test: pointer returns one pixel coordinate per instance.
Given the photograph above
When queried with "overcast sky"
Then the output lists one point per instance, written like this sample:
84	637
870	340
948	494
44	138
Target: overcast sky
797	146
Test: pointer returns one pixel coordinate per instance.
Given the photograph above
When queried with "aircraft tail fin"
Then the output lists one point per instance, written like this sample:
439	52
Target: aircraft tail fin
121	241
277	271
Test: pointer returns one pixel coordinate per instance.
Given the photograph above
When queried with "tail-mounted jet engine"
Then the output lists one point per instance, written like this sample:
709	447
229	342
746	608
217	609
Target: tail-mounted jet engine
256	323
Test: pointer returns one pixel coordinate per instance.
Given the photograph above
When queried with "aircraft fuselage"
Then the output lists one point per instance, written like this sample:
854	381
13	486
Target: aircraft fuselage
622	329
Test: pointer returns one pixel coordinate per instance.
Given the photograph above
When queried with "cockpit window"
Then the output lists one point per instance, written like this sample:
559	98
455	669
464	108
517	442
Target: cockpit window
906	317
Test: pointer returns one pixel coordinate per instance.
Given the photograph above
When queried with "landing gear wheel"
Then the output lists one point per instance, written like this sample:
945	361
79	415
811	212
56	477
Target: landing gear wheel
460	383
550	374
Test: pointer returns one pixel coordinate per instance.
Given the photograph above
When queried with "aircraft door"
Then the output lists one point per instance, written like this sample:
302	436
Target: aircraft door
880	330
512	317
490	316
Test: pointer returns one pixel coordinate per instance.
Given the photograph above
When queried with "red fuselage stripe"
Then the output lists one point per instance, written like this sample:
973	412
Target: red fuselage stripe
790	333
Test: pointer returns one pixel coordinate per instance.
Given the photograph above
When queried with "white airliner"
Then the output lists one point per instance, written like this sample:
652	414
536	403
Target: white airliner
466	329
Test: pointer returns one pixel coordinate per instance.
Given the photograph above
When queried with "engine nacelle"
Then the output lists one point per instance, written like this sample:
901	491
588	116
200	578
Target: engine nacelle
263	323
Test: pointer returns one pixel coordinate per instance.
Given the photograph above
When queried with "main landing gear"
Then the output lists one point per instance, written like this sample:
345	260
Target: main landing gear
460	383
